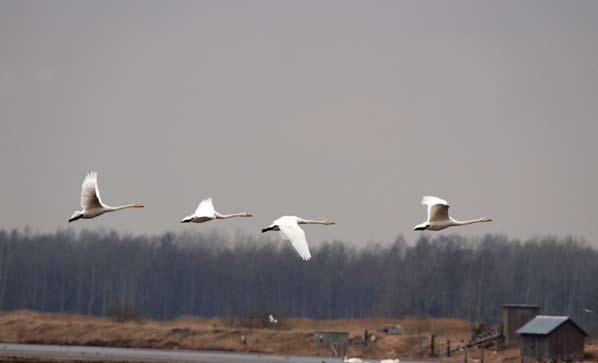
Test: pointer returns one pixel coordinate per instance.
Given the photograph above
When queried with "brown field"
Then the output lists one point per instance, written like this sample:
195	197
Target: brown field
294	336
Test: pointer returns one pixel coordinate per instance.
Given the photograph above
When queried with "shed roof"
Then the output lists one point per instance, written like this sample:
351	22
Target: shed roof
546	324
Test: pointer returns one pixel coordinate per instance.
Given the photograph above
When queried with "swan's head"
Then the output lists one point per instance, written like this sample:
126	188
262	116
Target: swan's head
246	214
186	220
137	205
75	216
421	227
328	221
486	219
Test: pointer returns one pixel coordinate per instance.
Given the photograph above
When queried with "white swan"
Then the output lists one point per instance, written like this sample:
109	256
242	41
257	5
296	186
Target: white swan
205	212
353	360
390	361
92	203
438	216
272	319
289	229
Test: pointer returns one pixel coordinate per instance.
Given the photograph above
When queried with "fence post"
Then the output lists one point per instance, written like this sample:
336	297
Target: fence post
448	348
432	345
482	355
465	351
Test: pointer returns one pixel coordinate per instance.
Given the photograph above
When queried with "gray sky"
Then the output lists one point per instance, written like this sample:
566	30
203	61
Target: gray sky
341	109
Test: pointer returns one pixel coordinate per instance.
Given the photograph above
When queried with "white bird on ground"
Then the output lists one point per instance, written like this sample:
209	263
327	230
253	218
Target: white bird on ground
92	203
272	320
390	361
289	229
438	216
352	360
587	310
205	212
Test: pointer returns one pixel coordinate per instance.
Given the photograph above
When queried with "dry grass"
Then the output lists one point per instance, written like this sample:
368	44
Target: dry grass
295	336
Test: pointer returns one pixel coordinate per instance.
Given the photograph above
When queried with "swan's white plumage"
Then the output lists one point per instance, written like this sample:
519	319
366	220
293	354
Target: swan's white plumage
428	200
353	360
438	216
90	193
205	212
205	209
437	208
91	201
290	230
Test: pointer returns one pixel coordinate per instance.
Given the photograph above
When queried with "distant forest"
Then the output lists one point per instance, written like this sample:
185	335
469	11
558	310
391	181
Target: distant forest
170	275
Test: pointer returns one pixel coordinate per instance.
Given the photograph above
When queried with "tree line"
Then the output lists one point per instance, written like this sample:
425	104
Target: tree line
170	275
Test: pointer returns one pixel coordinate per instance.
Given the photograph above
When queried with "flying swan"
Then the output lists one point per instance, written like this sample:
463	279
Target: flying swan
438	216
92	203
205	212
289	229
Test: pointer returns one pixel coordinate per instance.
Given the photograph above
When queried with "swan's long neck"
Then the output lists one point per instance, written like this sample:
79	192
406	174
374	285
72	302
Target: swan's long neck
312	221
225	216
472	221
113	209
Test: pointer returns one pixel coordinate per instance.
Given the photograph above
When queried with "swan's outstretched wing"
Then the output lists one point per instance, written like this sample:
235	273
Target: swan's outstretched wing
205	209
437	208
291	231
90	194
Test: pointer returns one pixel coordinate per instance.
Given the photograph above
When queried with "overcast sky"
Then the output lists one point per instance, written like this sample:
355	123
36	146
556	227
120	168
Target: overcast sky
340	109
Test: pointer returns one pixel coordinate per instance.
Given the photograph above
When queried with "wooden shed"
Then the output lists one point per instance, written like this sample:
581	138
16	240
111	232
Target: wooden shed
514	316
552	338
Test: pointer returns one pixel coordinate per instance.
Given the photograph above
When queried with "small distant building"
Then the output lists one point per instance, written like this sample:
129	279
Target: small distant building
514	316
337	340
552	338
331	337
392	329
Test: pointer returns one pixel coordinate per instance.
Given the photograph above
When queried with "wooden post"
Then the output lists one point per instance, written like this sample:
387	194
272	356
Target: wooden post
432	345
448	348
481	355
465	351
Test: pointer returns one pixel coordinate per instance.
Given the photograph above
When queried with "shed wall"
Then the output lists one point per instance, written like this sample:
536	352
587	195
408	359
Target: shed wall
566	342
